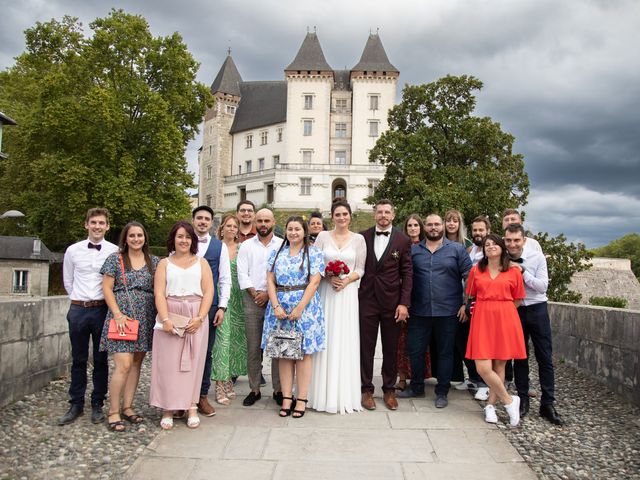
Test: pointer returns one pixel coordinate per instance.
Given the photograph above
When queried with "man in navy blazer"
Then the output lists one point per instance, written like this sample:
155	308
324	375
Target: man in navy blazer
385	293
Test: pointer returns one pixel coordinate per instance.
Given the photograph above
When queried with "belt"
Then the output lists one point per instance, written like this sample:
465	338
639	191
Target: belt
89	304
291	288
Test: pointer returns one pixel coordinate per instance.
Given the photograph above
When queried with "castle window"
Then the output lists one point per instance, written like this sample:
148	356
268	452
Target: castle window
373	128
208	201
21	281
341	105
308	126
210	150
306	156
209	171
308	102
276	160
373	184
239	169
341	157
341	130
249	140
261	164
248	164
231	109
279	134
269	192
305	186
263	137
373	102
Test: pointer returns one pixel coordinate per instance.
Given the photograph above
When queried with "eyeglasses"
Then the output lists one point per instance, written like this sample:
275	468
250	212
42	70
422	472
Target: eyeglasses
246	210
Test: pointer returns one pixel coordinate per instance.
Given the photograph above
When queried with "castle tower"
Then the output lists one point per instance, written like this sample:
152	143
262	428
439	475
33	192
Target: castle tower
216	152
373	82
309	81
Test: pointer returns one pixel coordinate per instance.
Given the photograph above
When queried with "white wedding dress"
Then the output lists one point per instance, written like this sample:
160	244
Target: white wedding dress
335	381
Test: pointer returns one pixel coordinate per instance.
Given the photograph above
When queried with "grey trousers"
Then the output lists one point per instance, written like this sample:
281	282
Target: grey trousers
253	322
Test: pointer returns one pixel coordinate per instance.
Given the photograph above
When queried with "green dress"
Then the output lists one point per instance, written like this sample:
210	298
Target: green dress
230	348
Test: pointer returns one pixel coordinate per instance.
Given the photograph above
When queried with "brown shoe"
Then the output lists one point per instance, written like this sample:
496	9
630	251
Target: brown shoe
367	401
205	408
390	400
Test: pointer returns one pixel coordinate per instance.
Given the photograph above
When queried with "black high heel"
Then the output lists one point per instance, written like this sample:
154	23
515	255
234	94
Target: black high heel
300	413
287	411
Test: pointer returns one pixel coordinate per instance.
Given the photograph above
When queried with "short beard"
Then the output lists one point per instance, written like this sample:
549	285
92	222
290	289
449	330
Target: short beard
433	238
266	234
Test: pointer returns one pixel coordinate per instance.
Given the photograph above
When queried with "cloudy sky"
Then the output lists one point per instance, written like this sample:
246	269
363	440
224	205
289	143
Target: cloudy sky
562	77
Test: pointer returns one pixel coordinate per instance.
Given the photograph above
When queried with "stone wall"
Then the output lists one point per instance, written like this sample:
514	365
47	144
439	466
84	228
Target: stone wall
34	345
602	342
608	277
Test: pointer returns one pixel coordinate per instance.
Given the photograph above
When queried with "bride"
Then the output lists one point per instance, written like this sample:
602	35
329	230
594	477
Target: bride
335	385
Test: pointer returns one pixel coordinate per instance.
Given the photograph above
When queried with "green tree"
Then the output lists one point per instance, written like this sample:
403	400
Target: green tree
102	120
439	156
563	261
624	247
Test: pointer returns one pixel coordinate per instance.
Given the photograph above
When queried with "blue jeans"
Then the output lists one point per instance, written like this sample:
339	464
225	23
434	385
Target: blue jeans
206	376
537	326
418	338
85	324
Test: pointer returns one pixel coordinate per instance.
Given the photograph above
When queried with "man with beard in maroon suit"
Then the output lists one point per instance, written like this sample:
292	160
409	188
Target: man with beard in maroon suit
385	293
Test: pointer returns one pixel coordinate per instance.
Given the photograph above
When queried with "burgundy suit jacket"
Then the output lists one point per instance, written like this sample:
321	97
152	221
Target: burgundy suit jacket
386	282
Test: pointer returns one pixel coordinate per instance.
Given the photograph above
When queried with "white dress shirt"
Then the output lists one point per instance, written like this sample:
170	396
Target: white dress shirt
535	276
252	262
380	242
475	254
224	271
531	245
81	270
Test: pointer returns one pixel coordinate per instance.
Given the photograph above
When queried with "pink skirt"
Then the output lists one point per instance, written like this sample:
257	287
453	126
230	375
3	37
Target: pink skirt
177	364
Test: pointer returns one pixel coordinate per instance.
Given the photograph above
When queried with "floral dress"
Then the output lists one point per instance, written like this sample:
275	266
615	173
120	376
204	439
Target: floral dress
142	306
288	272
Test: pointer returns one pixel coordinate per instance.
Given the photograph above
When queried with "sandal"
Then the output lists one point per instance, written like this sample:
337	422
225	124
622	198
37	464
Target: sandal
285	412
300	413
193	421
118	425
166	423
228	389
221	397
134	419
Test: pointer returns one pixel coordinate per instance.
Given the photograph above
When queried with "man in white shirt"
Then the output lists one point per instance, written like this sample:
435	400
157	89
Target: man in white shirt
252	277
535	323
216	254
88	310
511	216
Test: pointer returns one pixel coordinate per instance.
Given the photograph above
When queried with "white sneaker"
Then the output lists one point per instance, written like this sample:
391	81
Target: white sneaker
513	409
466	385
490	415
482	393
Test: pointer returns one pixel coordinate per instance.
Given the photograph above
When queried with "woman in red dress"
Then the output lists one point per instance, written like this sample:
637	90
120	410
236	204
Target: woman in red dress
496	332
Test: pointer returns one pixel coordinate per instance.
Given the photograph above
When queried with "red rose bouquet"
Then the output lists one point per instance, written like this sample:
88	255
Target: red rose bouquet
336	268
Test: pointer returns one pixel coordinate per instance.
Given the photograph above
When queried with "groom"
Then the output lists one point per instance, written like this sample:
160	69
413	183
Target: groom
385	293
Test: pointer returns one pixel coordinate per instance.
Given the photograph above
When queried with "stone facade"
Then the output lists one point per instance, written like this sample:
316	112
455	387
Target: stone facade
300	143
608	277
38	277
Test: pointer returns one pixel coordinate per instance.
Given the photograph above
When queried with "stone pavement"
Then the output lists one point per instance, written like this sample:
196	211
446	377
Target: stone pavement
417	441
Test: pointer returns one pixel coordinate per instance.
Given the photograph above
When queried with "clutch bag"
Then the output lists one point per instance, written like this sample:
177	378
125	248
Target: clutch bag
130	330
286	344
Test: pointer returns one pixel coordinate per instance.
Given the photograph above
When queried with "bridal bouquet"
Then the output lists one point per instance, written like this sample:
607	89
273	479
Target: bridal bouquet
336	268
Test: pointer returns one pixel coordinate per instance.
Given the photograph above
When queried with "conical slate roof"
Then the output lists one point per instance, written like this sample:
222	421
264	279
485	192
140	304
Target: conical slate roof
374	58
228	79
310	56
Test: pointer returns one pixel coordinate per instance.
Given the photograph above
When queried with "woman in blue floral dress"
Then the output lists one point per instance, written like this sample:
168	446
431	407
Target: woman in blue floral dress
295	264
135	301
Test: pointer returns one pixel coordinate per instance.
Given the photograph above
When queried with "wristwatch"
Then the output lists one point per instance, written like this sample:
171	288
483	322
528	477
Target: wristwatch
224	309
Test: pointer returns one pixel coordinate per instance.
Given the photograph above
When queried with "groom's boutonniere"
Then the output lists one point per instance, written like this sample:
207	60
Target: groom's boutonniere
395	254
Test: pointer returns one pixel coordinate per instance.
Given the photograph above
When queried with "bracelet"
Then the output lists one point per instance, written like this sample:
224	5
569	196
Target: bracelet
164	320
119	316
277	306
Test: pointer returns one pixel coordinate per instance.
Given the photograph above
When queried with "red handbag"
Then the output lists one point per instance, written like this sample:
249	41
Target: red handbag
130	330
131	326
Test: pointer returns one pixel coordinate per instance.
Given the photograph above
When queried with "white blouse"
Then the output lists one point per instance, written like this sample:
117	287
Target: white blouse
182	282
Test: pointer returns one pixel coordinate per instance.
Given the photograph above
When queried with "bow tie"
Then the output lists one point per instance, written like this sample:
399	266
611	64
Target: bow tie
517	260
202	239
93	245
386	234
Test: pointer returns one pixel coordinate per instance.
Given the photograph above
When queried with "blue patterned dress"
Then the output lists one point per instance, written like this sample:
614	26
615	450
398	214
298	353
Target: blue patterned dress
287	272
141	308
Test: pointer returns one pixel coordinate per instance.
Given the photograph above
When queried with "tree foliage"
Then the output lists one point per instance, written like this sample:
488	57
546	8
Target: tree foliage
624	247
102	121
563	261
440	156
